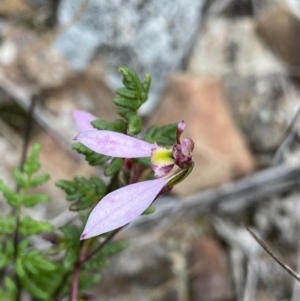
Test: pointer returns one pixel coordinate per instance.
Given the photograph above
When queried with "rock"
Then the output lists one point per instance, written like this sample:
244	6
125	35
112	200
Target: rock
280	28
11	8
263	107
28	60
281	216
210	275
220	151
146	36
295	6
255	81
29	66
263	295
227	46
87	92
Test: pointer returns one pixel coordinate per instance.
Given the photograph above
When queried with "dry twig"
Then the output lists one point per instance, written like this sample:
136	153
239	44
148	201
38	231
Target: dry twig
283	265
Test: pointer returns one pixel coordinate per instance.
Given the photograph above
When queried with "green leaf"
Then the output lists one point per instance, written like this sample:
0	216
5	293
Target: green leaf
81	204
85	192
29	226
164	135
71	234
22	246
31	268
146	86
35	290
36	181
126	103
92	157
32	164
114	167
99	185
70	259
126	93
20	269
117	126
96	263
135	92
126	113
34	199
44	265
67	186
10	285
149	210
6	253
134	124
130	79
88	280
11	196
114	248
7	224
20	178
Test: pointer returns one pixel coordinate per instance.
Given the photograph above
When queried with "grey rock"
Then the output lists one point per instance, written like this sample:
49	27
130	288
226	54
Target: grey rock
255	81
261	108
227	46
295	6
147	36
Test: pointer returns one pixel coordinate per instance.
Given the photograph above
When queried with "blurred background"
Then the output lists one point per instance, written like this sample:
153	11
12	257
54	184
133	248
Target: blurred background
230	69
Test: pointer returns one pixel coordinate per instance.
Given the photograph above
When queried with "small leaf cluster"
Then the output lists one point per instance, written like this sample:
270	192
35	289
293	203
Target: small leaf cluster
8	290
37	273
163	135
131	97
30	266
94	159
26	179
83	192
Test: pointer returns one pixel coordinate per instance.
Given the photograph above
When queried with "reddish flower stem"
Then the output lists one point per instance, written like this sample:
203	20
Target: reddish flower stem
74	287
82	260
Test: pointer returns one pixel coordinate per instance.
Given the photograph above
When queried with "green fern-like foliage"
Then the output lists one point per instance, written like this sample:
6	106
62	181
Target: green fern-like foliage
129	99
83	192
32	267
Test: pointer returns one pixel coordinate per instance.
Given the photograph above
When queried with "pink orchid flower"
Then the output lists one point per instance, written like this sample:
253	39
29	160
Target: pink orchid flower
120	207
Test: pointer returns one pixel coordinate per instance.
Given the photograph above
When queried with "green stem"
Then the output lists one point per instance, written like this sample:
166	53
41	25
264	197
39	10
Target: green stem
16	253
17	210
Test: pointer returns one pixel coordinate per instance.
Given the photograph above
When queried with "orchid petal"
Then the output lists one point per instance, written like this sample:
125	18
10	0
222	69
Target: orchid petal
83	120
122	206
115	144
187	147
180	129
181	126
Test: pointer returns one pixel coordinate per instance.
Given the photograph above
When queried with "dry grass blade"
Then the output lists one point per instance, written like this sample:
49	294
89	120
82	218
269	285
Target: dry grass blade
283	265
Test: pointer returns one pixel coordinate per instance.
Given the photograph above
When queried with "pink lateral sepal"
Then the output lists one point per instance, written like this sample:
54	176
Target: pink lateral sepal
122	206
83	120
115	144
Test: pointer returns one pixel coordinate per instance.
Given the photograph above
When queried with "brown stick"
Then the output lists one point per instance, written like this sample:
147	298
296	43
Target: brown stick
283	265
